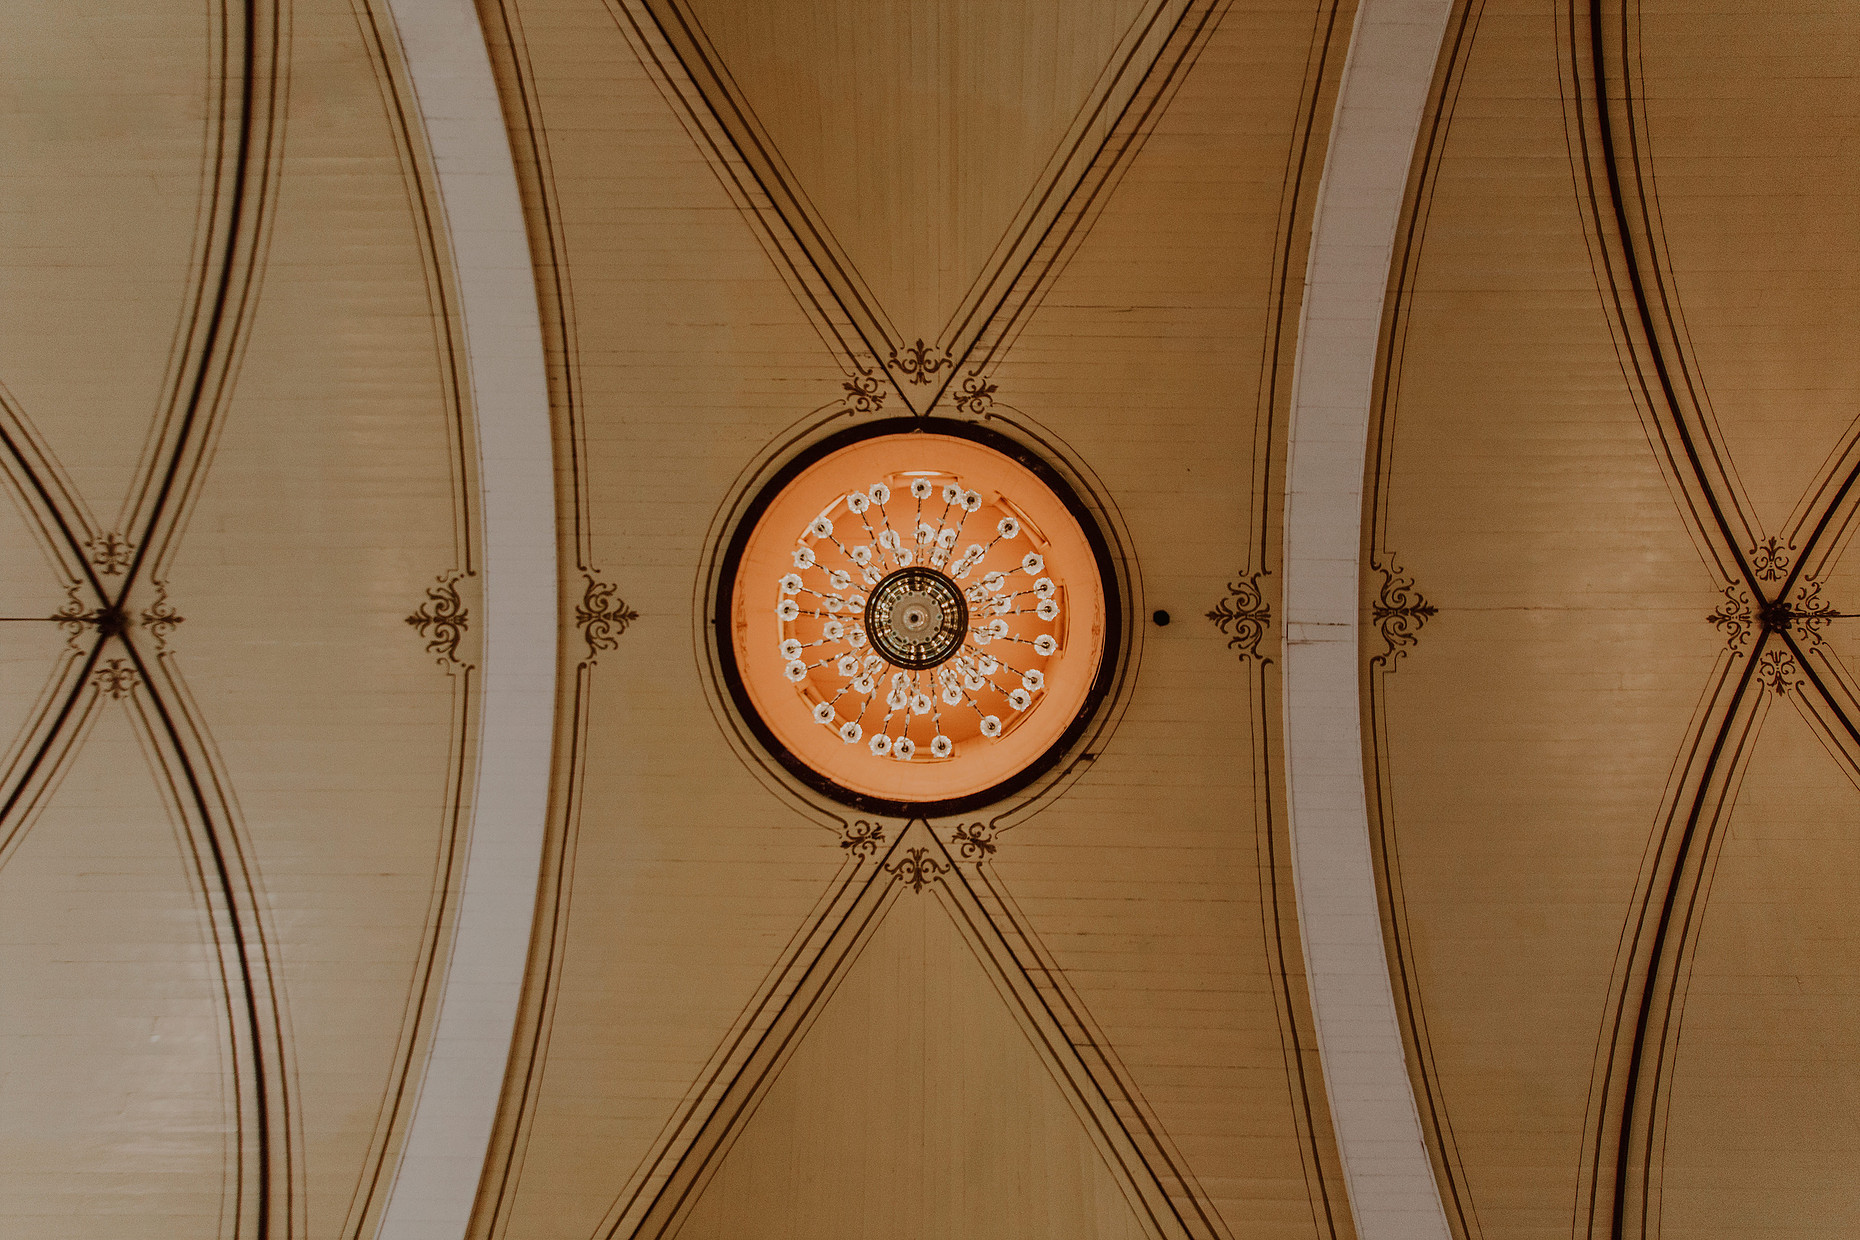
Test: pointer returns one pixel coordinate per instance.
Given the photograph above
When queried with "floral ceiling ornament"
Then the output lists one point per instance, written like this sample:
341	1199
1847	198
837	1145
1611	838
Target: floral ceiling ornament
160	617
1243	617
917	869
442	619
1777	670
116	677
973	841
74	617
602	616
110	553
1808	613
976	396
1400	611
1735	617
862	838
1770	559
920	361
1804	615
864	393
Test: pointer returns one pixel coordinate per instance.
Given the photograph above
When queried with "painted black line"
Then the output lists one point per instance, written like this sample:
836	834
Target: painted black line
236	921
1624	229
1701	798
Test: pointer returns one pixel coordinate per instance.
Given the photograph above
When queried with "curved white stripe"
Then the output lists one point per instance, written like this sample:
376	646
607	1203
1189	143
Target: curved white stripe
1385	83
437	1179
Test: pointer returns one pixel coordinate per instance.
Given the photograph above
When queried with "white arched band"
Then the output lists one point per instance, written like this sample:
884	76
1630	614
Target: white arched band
437	1177
1386	77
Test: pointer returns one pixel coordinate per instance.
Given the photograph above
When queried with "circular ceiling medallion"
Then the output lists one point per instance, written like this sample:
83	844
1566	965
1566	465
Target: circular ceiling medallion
916	618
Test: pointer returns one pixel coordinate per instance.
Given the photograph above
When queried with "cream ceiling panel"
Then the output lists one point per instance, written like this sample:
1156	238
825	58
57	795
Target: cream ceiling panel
284	611
676	880
1523	743
918	130
1160	882
914	1106
1574	676
1381	106
330	508
32	652
1762	1133
496	313
109	161
118	1113
1752	121
35	660
29	572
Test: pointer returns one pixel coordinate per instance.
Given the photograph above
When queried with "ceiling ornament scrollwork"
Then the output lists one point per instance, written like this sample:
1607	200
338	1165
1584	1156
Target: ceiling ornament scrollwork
919	362
602	616
110	553
976	396
1770	558
862	839
117	677
864	393
1400	611
443	619
159	618
1736	618
916	869
1778	672
1244	617
973	841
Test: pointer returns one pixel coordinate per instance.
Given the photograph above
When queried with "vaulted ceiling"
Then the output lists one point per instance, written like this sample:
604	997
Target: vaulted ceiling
1463	844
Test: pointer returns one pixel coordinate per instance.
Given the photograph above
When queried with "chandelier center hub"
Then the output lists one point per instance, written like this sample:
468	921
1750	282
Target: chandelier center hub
917	618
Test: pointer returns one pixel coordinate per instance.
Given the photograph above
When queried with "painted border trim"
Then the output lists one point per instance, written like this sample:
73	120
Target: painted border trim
1383	94
436	1182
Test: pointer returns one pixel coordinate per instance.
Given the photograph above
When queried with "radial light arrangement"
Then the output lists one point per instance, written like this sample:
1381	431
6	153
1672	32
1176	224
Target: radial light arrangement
918	617
946	643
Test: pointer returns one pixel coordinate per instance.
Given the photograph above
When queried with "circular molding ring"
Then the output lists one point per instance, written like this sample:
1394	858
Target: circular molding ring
917	617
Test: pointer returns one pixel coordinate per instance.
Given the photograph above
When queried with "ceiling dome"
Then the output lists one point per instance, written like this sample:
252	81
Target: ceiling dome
915	618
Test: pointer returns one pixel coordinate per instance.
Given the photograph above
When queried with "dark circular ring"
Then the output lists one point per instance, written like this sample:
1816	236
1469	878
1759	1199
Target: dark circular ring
916	618
765	493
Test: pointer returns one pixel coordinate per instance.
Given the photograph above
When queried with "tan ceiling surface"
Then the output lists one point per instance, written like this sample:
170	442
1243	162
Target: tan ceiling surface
1153	880
680	879
1762	1133
682	887
286	726
106	142
1537	749
917	130
1752	119
1614	807
915	1039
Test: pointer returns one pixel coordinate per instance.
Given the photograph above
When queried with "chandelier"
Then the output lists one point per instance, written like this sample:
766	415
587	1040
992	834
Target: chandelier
918	617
